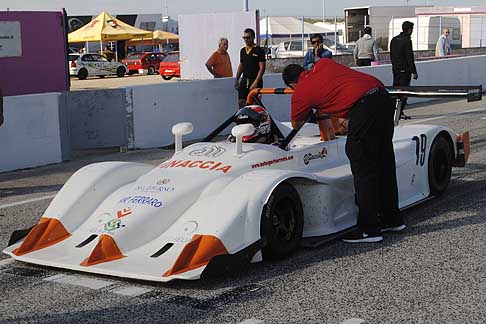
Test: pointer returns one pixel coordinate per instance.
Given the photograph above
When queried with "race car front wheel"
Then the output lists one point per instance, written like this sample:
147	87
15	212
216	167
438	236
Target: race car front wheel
282	222
440	165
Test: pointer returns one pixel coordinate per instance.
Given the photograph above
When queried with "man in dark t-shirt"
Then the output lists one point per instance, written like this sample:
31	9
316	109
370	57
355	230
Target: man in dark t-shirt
252	67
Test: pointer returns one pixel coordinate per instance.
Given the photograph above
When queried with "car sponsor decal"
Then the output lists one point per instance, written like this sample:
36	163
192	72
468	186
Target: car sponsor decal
205	165
142	200
320	155
113	224
164	181
271	162
154	188
124	212
208	151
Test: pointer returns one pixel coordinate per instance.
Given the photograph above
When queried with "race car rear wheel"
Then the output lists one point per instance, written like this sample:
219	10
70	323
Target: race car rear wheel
82	74
282	222
440	165
151	70
167	77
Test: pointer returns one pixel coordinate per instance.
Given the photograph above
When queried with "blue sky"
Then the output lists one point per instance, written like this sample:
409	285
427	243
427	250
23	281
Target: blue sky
175	7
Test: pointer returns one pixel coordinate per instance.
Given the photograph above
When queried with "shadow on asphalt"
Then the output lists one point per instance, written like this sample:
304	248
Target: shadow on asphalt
19	191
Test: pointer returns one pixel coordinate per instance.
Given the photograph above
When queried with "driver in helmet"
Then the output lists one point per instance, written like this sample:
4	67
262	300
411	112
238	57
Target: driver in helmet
260	119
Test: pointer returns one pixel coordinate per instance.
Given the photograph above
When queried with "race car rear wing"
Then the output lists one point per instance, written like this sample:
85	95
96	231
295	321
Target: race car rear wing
471	93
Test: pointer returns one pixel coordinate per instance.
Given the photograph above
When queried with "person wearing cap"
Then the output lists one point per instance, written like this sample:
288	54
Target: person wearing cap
337	90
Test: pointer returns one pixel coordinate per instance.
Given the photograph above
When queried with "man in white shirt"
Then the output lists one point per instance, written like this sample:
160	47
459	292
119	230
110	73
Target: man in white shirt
443	47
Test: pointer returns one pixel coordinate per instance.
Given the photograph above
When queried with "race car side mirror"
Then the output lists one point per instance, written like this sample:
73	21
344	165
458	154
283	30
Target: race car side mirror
240	131
180	130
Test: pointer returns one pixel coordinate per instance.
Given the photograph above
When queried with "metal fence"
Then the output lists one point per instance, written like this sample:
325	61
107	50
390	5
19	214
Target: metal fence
285	37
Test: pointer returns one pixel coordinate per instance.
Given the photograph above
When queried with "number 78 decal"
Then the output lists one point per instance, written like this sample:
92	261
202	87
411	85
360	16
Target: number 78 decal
420	148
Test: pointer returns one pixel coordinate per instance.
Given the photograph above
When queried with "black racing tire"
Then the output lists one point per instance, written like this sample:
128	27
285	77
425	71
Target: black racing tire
151	70
82	74
120	71
440	165
282	222
131	72
167	77
101	76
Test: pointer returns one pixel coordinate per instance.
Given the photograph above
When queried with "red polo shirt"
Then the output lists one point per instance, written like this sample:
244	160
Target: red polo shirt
330	87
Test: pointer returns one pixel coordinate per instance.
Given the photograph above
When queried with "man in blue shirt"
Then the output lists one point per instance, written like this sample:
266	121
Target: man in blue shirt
317	51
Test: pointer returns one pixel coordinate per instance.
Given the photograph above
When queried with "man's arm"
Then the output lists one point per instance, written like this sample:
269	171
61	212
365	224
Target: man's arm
211	70
239	71
355	52
376	51
308	63
410	59
262	66
324	53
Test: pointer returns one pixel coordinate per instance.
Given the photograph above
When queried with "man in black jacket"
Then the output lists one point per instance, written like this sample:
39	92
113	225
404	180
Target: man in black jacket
403	64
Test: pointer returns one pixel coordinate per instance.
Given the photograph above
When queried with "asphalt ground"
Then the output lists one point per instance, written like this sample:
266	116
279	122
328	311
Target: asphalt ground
111	82
434	272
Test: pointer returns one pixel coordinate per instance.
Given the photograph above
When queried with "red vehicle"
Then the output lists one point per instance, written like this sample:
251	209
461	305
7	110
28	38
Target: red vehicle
147	63
170	66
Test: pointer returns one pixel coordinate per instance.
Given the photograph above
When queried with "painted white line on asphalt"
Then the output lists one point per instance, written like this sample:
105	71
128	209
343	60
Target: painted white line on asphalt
444	116
27	201
79	281
7	261
252	321
131	291
354	321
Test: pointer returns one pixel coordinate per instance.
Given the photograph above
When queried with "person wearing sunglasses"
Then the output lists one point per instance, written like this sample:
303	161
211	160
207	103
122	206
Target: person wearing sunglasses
251	67
337	90
317	51
443	47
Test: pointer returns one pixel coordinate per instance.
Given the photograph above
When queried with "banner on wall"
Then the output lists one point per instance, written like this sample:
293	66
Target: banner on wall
10	40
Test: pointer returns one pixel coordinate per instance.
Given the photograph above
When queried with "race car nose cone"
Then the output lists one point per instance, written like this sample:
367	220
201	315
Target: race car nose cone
47	232
106	250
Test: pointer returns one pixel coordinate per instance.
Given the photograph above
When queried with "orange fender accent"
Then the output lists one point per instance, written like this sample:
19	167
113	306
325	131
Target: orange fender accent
197	253
47	232
467	145
106	250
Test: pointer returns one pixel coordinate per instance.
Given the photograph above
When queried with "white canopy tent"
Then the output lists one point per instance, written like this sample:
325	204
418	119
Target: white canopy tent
289	27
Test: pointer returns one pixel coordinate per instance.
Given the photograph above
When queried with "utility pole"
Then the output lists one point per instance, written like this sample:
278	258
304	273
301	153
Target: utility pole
323	11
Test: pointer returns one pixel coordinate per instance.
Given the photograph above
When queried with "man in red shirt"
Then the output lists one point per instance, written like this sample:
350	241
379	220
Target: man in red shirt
336	90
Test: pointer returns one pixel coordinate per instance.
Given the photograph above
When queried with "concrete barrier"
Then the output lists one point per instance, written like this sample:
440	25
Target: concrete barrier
30	136
36	126
97	118
206	103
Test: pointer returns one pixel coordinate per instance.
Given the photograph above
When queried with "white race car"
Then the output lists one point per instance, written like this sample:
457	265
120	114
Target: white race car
216	206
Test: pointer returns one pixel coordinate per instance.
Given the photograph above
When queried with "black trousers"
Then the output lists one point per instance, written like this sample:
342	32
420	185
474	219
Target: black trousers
402	79
364	62
369	148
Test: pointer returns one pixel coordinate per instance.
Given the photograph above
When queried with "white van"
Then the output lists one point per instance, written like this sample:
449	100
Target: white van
427	30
